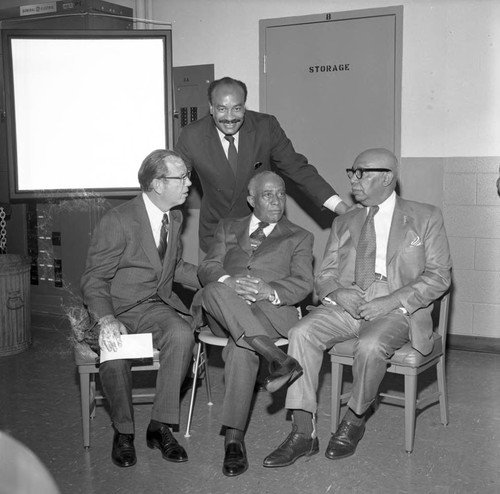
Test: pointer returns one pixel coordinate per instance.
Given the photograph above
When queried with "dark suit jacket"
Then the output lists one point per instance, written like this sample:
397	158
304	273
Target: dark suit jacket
261	140
123	265
418	262
284	260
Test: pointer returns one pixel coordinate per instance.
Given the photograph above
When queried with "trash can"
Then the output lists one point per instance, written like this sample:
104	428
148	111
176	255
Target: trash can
15	315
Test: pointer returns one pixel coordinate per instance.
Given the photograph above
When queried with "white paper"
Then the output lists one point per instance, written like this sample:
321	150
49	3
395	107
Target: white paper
133	346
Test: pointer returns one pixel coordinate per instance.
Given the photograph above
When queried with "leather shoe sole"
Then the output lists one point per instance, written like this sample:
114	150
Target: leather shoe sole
286	373
235	459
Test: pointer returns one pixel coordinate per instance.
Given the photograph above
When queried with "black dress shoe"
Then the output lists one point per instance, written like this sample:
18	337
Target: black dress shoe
291	449
163	439
123	453
343	443
282	373
235	459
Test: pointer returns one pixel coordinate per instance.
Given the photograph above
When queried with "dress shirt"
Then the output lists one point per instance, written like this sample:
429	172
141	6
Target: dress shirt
331	203
155	215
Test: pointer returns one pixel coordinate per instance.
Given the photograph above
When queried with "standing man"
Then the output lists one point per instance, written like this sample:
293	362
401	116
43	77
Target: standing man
231	145
257	269
384	266
133	259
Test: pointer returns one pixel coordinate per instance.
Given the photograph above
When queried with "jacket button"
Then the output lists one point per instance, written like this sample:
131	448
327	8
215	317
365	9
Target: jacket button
353	283
249	268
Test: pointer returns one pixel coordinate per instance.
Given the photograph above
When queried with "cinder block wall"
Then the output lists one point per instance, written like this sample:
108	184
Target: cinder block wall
471	208
465	189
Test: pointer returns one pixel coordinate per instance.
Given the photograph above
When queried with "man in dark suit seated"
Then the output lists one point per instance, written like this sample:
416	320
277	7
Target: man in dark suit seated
229	146
384	266
134	257
257	269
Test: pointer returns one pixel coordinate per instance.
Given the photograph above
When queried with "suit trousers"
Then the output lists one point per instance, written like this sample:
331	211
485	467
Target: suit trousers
377	340
235	317
173	337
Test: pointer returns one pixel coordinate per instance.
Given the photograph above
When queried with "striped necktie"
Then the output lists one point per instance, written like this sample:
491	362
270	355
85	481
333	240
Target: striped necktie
364	274
162	246
258	235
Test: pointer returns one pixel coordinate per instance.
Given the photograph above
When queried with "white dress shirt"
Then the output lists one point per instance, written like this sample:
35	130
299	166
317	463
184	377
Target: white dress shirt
155	215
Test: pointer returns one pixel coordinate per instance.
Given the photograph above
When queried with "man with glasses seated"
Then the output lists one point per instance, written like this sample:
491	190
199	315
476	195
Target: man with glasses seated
384	266
134	257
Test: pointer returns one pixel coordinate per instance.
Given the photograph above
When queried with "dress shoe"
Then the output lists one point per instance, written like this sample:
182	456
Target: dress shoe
282	373
343	442
123	453
291	449
235	459
163	439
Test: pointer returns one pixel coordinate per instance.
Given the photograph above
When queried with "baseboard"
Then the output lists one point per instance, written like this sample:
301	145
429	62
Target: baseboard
473	343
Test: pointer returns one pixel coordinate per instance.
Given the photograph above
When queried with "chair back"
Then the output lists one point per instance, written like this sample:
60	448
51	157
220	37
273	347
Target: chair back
444	307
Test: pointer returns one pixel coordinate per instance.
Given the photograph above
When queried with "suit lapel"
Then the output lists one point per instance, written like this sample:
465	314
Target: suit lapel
217	155
241	231
399	227
356	225
246	145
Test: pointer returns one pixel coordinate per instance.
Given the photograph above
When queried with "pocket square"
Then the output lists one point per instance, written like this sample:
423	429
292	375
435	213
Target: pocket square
416	242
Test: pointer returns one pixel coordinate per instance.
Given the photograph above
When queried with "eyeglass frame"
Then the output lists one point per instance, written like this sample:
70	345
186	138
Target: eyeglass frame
186	176
351	172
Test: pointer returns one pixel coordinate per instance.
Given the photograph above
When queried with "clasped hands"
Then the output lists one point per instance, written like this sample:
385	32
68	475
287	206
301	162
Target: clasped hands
351	301
110	333
249	288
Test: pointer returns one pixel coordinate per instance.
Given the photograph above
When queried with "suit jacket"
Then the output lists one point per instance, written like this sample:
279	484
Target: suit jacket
123	265
418	262
283	259
261	140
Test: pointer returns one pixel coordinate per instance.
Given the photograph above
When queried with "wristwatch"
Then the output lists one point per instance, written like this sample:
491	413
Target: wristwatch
272	297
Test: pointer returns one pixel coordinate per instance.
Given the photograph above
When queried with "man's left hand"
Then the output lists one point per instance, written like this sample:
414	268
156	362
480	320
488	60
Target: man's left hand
255	289
378	307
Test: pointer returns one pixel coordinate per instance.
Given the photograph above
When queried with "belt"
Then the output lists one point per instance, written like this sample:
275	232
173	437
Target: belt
380	277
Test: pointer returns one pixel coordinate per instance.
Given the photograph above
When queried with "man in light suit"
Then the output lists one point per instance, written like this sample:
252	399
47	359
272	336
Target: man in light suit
133	259
251	286
259	144
409	268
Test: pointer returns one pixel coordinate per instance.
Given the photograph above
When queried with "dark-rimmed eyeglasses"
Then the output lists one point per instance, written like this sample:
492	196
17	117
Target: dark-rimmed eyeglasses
184	177
360	171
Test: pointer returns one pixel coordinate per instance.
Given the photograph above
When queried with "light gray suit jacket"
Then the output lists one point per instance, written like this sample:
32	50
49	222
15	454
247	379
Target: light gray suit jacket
123	265
418	262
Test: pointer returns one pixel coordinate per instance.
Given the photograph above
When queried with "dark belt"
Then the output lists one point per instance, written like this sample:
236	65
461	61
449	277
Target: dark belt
380	277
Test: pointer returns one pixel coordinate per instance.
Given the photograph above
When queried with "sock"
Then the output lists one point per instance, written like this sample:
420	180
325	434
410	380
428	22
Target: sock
265	346
233	435
354	418
304	422
154	425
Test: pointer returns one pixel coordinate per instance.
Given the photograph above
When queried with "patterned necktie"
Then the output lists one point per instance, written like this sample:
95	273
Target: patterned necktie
365	254
232	154
162	246
258	235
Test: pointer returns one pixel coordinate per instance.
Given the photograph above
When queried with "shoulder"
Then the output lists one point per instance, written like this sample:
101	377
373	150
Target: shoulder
417	208
197	127
295	229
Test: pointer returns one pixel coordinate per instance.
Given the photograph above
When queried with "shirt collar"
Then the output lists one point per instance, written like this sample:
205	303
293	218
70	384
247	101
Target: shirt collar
225	142
155	214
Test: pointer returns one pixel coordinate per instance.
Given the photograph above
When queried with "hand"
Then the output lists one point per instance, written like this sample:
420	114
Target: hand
350	300
249	288
341	208
110	333
378	307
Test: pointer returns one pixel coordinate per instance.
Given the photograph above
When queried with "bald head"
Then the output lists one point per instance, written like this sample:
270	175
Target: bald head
374	187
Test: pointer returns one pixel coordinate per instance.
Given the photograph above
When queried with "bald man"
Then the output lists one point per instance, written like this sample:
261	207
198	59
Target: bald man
384	306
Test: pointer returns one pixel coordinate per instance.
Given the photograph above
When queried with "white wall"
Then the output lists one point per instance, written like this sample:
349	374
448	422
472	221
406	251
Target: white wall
451	61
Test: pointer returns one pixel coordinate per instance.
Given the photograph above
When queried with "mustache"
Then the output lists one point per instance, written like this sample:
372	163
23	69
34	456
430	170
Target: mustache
226	121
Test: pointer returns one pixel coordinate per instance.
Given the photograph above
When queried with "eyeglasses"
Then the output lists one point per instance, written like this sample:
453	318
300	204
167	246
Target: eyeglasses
184	177
360	171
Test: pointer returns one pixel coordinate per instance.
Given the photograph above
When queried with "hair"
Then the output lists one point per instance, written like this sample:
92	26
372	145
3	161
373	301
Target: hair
252	185
226	81
155	166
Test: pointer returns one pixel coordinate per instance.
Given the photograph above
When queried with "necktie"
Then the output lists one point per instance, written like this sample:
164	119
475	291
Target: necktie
258	235
232	154
162	246
365	254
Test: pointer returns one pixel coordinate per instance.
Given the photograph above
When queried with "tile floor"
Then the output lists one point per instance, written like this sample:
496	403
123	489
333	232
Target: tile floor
40	407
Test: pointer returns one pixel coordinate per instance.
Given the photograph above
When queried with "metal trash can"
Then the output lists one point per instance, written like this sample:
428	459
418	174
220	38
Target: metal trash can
15	314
